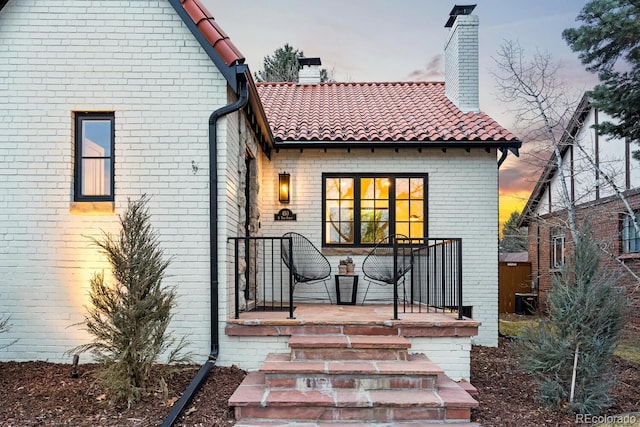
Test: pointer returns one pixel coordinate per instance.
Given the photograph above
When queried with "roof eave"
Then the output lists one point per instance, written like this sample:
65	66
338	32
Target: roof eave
257	117
513	145
3	3
230	72
233	74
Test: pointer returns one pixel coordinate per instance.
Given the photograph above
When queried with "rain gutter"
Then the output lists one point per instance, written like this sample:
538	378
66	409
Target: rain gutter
202	374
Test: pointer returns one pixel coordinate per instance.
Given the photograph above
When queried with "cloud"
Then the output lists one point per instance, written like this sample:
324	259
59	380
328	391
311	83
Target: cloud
520	178
434	70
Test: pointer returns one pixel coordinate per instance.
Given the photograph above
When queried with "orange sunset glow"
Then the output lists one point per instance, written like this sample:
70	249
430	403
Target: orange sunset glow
511	202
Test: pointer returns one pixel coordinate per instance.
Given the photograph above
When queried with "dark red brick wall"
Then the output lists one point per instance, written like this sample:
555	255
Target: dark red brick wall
604	218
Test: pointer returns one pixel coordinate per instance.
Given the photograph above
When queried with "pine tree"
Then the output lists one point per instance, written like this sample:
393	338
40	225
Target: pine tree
586	312
129	318
514	239
609	44
283	66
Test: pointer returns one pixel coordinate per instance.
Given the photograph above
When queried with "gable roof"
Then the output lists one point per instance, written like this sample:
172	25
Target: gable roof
225	56
551	168
227	59
402	113
212	32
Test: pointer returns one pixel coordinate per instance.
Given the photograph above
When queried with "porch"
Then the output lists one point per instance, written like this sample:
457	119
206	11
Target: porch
414	275
421	300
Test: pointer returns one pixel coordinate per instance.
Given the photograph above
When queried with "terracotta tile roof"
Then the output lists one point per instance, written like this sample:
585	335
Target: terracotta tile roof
406	111
212	32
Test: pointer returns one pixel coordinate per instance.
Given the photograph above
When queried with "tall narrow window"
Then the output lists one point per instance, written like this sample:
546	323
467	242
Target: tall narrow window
410	205
557	247
94	139
374	209
629	238
364	209
339	205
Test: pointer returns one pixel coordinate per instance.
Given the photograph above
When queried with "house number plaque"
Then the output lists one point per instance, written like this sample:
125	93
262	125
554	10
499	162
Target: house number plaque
285	215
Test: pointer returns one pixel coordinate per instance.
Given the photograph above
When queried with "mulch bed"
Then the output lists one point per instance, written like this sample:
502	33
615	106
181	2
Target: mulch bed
44	394
508	397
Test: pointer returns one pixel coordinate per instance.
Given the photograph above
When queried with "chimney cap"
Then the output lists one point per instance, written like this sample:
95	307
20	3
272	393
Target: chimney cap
459	10
309	61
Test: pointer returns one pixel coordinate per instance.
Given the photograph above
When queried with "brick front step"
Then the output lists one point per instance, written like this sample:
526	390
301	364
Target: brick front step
257	328
334	378
348	347
344	415
348	341
415	373
271	423
253	400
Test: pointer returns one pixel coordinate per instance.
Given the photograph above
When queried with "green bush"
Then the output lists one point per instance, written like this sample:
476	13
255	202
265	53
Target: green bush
586	312
129	318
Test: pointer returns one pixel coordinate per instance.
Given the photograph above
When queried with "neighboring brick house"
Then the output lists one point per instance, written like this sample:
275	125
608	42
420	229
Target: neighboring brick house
595	201
103	101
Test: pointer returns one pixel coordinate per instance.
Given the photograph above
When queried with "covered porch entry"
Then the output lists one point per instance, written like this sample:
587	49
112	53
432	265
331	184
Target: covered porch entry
402	355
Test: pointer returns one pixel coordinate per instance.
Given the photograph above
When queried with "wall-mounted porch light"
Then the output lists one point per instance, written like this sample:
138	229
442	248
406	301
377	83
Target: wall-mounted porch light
284	187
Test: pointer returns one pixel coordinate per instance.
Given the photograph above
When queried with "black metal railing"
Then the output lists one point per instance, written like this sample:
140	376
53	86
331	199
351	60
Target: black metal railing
432	283
436	276
262	280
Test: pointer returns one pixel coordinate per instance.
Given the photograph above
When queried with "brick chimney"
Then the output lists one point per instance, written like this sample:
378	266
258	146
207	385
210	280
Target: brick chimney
461	59
309	71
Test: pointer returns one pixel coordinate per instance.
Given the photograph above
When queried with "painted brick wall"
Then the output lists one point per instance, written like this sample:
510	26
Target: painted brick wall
463	202
141	62
461	63
453	354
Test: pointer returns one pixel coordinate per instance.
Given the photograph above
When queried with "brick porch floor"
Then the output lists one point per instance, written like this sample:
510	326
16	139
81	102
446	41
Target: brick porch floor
351	319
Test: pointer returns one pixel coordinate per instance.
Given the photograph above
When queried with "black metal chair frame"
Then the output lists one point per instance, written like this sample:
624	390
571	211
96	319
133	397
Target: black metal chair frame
378	265
309	265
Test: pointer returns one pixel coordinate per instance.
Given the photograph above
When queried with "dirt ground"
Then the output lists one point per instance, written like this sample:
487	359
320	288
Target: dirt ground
508	397
44	394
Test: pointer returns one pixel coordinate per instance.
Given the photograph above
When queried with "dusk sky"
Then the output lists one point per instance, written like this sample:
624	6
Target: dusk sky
403	40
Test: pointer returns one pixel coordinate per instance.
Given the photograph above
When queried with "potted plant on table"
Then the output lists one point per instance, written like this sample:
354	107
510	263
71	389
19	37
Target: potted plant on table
350	265
342	268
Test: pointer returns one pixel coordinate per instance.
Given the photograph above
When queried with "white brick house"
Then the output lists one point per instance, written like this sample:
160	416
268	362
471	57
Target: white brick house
158	75
139	62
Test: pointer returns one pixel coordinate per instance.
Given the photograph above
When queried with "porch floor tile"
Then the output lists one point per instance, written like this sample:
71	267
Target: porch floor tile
352	320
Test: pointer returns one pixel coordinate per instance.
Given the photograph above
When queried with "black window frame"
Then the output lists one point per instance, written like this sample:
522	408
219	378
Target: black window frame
78	169
357	204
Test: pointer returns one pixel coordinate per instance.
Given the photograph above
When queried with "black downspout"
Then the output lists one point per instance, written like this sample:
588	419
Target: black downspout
202	374
503	157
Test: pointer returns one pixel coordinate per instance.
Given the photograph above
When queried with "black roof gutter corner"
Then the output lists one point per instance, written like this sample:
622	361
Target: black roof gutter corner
202	374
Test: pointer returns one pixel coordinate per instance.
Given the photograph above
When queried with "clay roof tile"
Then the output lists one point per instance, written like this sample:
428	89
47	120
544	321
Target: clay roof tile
212	32
396	112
